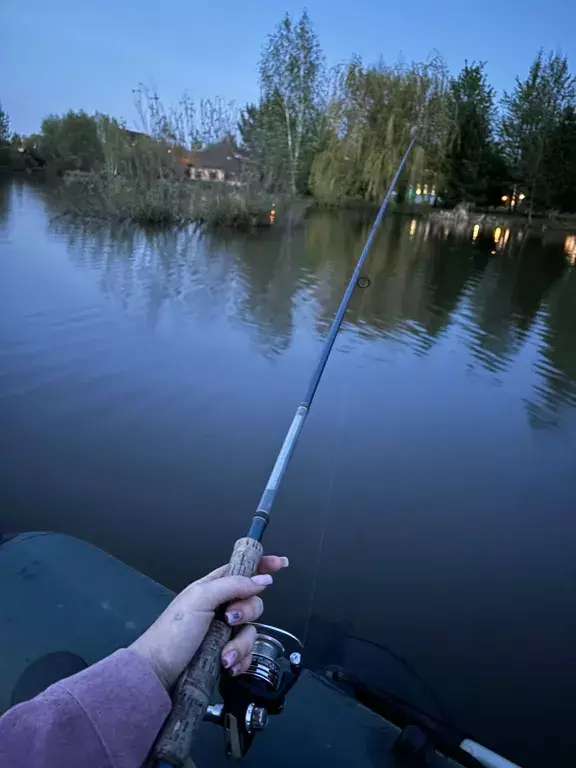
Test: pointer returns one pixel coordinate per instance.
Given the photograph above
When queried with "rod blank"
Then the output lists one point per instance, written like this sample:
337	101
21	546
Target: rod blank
264	508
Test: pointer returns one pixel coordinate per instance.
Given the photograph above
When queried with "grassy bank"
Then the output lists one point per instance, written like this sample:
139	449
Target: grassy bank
176	201
109	196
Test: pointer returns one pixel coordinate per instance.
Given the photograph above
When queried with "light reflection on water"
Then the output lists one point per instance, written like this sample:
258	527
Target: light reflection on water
147	378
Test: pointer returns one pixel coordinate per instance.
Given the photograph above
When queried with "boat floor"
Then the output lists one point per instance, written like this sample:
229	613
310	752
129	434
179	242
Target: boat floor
62	594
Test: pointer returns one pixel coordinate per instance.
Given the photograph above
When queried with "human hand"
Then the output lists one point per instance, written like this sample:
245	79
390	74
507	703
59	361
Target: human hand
171	642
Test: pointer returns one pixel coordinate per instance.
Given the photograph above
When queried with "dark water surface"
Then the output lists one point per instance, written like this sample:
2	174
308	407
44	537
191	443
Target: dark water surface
147	380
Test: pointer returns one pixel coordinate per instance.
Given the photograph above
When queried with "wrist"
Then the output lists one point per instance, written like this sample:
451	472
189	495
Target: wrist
146	652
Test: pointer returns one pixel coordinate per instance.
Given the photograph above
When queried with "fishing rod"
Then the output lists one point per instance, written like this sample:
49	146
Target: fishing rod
267	685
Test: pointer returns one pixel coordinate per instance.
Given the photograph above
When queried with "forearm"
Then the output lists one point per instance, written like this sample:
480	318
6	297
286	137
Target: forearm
106	716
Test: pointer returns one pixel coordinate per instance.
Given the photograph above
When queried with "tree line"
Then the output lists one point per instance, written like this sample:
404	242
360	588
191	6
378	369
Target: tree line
338	134
342	133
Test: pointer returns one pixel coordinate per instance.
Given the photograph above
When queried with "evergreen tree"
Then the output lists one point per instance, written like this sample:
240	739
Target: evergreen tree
4	126
561	162
533	115
470	163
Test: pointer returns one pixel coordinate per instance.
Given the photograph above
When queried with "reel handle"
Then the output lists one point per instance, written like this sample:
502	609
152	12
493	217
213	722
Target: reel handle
196	684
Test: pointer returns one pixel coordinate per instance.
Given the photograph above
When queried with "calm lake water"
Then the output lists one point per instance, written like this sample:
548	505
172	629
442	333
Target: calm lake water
147	380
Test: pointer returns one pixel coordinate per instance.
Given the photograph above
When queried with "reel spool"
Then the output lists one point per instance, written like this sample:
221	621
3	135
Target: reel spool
268	653
249	699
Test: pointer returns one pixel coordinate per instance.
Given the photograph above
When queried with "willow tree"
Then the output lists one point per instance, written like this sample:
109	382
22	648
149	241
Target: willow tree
370	117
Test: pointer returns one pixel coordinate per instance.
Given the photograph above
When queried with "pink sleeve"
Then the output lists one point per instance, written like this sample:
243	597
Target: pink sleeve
107	716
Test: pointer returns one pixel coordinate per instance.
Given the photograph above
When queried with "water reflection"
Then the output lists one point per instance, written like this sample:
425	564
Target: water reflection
270	276
182	271
496	291
5	205
555	392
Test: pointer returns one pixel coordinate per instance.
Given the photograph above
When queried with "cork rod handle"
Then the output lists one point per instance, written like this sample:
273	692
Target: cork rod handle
196	684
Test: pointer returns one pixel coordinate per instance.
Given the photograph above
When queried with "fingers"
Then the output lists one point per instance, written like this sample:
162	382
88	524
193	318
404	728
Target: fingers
272	564
216	574
242	667
268	564
243	611
236	654
210	594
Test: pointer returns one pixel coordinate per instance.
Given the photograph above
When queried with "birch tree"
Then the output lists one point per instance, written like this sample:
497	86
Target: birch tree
290	78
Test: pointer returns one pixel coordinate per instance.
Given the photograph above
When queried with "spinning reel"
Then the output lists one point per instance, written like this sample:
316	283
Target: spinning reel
249	699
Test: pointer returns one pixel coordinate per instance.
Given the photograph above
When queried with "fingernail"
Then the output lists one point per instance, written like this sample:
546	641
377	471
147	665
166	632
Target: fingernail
263	579
233	617
230	658
235	669
285	562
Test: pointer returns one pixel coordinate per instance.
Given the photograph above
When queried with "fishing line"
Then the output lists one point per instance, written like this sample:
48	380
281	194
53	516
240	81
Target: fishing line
324	519
343	403
343	408
414	672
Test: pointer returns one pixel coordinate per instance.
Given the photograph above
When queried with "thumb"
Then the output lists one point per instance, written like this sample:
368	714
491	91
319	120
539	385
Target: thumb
223	590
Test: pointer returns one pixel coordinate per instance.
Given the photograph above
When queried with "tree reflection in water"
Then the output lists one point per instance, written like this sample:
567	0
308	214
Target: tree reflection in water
499	291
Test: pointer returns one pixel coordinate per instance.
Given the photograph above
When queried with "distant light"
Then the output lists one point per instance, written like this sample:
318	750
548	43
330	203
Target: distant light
272	212
493	253
475	232
521	197
570	248
412	227
504	198
169	151
418	190
425	189
497	234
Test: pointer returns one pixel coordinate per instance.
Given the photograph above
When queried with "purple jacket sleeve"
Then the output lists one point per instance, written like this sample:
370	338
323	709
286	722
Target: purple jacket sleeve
107	716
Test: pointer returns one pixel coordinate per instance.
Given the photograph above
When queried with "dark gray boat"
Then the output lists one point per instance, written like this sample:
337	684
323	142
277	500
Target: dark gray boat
59	594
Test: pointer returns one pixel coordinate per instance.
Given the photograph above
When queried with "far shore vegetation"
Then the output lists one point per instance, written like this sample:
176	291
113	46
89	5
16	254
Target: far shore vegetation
318	136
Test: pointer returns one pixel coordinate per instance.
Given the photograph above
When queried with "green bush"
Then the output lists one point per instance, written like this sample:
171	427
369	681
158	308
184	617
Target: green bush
70	142
109	196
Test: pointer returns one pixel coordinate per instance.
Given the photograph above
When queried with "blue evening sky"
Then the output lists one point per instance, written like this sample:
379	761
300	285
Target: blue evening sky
84	54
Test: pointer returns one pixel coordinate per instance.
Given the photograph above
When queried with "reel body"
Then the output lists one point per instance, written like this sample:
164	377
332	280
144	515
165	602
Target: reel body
249	700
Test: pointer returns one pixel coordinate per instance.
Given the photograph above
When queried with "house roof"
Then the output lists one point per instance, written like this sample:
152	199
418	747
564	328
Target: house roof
224	155
135	135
